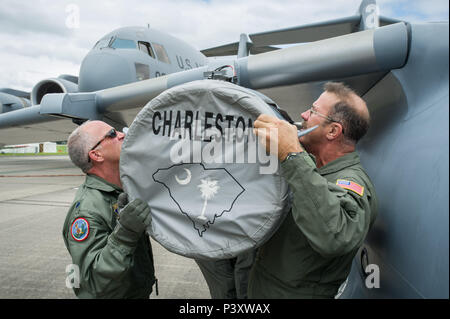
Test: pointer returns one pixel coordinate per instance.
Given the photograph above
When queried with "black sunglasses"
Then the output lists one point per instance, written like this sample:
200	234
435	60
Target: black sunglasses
111	134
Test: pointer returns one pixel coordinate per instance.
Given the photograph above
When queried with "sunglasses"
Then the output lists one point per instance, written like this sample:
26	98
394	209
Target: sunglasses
111	134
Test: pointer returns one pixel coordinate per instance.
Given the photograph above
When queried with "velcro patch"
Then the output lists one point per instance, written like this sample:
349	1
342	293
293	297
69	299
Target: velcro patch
80	229
358	189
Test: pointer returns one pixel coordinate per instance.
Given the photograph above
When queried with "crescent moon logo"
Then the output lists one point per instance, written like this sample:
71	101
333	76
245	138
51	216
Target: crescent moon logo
186	180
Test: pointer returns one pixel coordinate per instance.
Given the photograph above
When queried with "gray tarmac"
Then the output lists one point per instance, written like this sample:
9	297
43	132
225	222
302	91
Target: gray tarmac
35	194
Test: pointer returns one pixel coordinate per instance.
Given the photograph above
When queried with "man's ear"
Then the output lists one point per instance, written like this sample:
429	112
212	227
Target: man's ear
96	156
334	131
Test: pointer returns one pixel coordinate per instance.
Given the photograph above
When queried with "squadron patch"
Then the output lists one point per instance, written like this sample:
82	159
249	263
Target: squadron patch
115	208
80	229
358	189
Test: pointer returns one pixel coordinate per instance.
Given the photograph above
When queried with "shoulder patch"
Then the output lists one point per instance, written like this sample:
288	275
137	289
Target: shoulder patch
358	189
115	208
79	229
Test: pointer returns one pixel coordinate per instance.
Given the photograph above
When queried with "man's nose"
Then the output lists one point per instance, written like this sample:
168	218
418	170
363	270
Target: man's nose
305	115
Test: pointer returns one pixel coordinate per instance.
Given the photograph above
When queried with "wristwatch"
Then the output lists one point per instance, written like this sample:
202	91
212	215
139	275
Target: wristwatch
291	155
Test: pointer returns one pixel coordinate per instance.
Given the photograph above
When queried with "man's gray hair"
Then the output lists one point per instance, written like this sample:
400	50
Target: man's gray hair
78	145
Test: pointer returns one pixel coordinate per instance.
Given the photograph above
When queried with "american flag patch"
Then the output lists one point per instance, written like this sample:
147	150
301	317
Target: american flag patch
358	189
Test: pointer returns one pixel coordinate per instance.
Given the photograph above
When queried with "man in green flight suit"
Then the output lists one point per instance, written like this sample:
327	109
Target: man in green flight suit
334	201
104	234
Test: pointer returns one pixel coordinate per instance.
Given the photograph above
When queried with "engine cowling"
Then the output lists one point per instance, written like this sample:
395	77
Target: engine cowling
9	102
61	84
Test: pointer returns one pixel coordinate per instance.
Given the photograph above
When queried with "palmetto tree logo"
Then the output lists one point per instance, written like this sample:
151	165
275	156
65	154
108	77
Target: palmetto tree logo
197	189
208	188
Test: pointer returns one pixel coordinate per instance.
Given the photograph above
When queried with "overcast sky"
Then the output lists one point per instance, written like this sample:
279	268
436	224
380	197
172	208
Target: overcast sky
42	39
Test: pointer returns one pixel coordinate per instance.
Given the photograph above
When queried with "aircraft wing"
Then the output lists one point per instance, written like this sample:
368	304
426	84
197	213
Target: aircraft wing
232	49
17	93
309	32
299	34
374	51
386	21
264	41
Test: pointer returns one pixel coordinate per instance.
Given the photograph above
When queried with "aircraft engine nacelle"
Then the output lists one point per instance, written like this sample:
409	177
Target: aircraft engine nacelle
9	102
53	85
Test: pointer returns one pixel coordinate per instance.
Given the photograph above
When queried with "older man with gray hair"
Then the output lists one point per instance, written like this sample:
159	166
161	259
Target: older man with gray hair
334	200
104	234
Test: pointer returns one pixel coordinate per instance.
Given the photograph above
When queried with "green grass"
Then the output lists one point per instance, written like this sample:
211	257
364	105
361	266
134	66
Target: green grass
61	150
31	154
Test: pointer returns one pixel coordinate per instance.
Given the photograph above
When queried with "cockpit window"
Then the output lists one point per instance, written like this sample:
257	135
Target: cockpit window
102	43
146	48
161	53
123	44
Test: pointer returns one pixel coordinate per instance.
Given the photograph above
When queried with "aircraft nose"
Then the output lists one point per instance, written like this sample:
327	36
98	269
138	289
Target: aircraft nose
102	70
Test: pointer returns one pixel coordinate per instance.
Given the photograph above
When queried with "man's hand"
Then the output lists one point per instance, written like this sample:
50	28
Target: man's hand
135	216
279	133
122	200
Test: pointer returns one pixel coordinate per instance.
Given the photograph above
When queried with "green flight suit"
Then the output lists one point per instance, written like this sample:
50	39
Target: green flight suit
311	253
228	278
108	268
